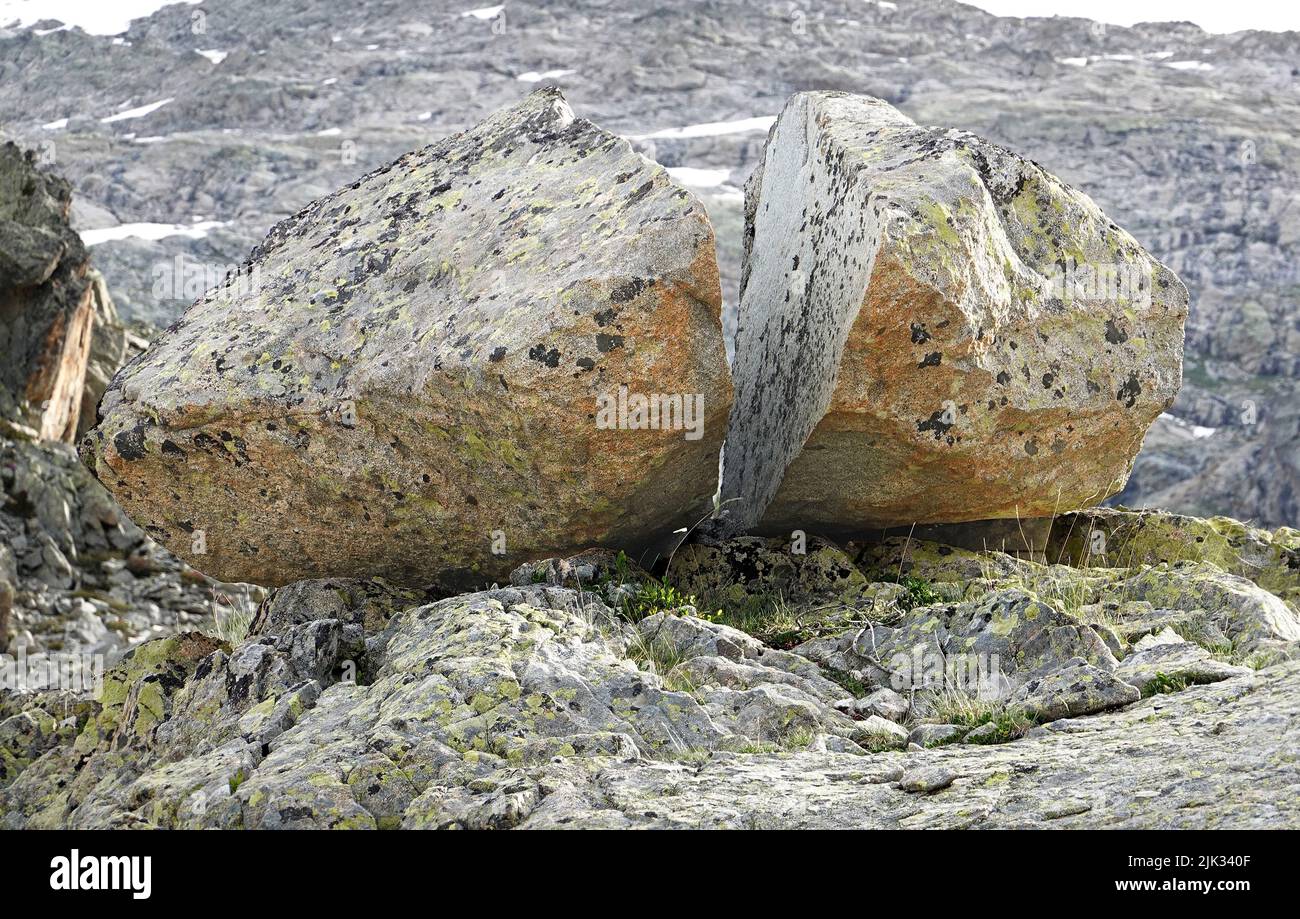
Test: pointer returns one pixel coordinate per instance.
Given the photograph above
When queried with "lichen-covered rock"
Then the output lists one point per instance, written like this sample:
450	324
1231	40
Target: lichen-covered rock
797	569
47	303
536	706
437	372
1115	537
459	713
1246	614
986	648
1073	689
936	735
1167	659
912	343
8	574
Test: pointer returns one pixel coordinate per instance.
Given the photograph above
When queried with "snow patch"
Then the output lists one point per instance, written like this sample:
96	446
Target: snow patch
1197	431
485	12
699	178
137	112
213	54
92	18
150	231
712	128
1190	65
533	76
57	125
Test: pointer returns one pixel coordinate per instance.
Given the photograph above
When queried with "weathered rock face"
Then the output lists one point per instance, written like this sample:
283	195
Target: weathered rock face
933	329
8	574
47	309
357	705
407	378
110	344
1108	536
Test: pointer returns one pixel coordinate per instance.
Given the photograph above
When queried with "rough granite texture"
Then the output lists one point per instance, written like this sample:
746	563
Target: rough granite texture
47	303
403	381
355	705
911	345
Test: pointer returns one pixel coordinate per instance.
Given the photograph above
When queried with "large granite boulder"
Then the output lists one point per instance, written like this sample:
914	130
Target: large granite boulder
933	329
47	308
437	372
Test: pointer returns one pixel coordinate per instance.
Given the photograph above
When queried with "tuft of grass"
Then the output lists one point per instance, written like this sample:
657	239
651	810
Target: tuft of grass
1163	683
232	623
951	706
772	620
851	684
920	592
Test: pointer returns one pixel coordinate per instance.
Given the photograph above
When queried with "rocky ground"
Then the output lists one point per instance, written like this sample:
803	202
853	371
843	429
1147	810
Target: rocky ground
902	684
1181	136
81	577
1110	668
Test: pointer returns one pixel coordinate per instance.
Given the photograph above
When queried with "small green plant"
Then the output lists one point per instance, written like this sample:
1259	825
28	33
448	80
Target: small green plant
775	622
952	706
920	592
799	739
851	684
655	597
1164	683
231	625
1009	724
654	655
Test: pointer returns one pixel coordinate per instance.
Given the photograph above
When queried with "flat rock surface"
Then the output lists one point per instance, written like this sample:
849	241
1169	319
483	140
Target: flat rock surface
1225	756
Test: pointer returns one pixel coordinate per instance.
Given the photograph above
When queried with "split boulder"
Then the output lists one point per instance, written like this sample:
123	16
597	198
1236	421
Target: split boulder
933	329
440	371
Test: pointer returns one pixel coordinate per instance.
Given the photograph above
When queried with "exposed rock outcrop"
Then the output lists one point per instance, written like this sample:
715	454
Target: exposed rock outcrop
436	371
110	346
355	704
47	301
933	329
83	578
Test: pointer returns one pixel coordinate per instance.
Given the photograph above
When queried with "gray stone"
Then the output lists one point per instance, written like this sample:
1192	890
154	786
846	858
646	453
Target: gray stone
567	267
926	780
1168	656
907	285
1077	688
935	735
